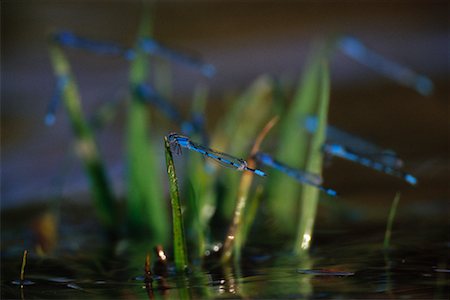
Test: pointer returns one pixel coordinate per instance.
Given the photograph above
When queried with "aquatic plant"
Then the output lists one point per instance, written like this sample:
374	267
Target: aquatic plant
390	221
179	241
145	202
85	145
294	151
235	235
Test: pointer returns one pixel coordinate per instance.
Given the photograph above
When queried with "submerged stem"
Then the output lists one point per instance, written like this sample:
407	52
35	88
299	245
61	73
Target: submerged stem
392	213
24	262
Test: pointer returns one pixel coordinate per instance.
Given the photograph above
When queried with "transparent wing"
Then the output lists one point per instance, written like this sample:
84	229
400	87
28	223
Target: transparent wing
341	151
221	158
356	143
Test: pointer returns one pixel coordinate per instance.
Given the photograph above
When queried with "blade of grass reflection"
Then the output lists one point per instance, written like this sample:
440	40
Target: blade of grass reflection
85	143
145	209
233	240
310	195
179	241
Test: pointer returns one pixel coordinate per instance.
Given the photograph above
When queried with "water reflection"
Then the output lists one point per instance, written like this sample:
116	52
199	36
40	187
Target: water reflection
347	262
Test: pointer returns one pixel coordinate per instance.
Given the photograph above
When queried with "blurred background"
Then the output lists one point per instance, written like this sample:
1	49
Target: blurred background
243	40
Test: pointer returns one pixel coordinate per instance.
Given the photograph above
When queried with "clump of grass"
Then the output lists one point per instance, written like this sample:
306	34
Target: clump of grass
390	221
85	145
292	206
179	241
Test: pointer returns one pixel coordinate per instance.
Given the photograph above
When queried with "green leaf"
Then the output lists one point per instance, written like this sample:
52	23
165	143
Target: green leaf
310	194
294	143
179	241
146	213
85	145
236	132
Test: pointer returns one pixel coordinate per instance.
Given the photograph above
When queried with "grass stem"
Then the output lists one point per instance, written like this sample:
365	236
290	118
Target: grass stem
22	269
179	241
234	234
309	194
85	145
145	209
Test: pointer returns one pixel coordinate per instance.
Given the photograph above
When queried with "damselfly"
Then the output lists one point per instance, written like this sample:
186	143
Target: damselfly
50	115
355	49
346	153
71	40
178	141
147	45
299	175
359	145
152	46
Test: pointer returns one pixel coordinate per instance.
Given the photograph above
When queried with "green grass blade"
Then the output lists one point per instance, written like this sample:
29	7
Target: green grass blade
249	218
235	133
179	241
293	144
310	194
390	221
233	239
146	213
85	143
200	196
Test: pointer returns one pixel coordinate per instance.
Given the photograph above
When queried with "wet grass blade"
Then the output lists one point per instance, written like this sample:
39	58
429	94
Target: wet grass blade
294	144
84	142
233	239
146	213
390	221
179	241
309	194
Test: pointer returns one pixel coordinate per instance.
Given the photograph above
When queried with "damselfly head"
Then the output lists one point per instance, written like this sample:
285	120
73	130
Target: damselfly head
174	141
243	165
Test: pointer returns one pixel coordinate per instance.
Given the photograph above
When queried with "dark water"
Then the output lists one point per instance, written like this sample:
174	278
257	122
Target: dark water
347	261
